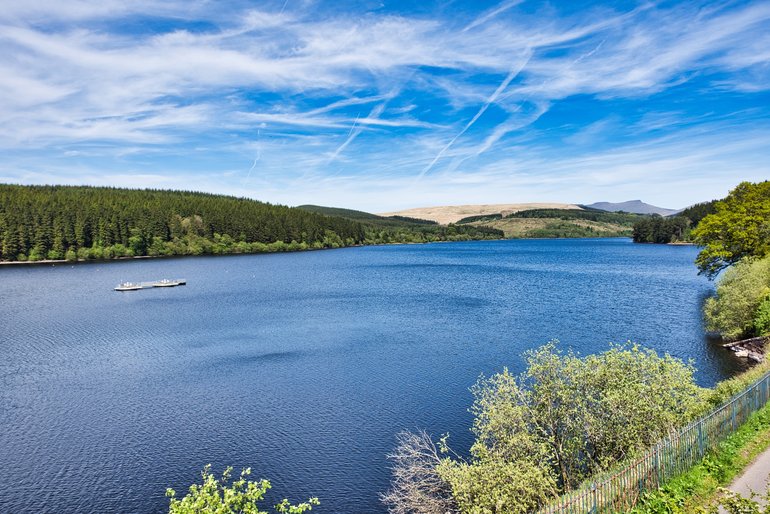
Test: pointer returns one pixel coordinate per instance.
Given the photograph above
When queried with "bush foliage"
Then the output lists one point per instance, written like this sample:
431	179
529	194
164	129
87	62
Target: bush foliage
219	496
564	419
741	307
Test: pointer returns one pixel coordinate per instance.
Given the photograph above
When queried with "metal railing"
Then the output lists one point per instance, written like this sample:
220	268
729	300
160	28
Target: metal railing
619	490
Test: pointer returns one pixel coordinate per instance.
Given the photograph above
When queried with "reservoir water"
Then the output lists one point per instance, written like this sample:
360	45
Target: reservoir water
303	366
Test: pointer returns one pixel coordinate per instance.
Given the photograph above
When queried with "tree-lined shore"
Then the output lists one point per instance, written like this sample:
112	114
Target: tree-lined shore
76	223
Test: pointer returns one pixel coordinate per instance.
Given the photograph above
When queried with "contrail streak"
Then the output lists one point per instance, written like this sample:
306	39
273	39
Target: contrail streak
491	14
352	134
478	115
256	159
508	125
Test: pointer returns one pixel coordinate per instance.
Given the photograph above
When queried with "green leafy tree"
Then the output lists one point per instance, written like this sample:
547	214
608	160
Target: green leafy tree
564	419
740	292
506	473
215	496
598	410
739	228
762	318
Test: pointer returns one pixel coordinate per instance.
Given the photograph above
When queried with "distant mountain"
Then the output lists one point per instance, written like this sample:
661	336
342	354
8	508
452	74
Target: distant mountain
635	206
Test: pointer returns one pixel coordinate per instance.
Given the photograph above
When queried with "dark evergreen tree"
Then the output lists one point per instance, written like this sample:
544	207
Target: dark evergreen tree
39	222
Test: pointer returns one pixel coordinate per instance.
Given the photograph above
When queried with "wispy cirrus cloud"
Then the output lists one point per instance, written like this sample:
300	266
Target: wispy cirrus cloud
367	94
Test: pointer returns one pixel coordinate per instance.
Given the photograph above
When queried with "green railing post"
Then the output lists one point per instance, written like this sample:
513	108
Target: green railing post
733	412
700	439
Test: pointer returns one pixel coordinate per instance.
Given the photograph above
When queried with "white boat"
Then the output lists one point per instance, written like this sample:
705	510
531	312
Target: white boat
169	283
133	286
128	286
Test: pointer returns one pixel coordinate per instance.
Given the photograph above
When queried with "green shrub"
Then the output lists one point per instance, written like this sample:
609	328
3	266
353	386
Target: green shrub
215	496
726	389
740	291
762	318
546	431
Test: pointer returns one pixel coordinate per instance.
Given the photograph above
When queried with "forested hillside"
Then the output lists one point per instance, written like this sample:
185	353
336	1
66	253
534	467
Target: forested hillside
56	222
366	217
78	223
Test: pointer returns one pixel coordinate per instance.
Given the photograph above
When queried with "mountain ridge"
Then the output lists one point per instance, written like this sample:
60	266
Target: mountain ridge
633	206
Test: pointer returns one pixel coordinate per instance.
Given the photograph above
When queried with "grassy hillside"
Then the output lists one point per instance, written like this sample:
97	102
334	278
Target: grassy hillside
453	213
547	223
526	228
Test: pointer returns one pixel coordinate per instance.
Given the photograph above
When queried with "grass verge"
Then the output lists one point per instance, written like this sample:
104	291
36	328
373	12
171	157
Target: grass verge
695	491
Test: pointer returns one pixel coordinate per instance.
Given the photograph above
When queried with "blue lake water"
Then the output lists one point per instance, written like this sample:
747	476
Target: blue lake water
303	366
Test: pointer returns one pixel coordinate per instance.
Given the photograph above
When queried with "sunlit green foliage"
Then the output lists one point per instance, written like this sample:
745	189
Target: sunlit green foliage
218	496
506	472
566	418
740	300
739	228
728	388
762	318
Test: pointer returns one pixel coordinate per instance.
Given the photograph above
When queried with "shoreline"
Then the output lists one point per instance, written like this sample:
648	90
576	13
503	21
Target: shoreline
54	262
64	261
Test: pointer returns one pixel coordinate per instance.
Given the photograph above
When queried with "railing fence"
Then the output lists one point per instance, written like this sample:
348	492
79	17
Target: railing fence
620	489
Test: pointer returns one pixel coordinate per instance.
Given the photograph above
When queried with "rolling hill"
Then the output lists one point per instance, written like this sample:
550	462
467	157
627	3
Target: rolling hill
453	213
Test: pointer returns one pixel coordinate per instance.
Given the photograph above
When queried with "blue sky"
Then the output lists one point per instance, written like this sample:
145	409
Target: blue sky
380	105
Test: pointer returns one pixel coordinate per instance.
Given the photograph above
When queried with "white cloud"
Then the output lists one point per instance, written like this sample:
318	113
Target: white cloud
69	77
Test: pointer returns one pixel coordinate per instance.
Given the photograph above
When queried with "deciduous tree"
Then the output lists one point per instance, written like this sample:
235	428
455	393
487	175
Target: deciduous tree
739	228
